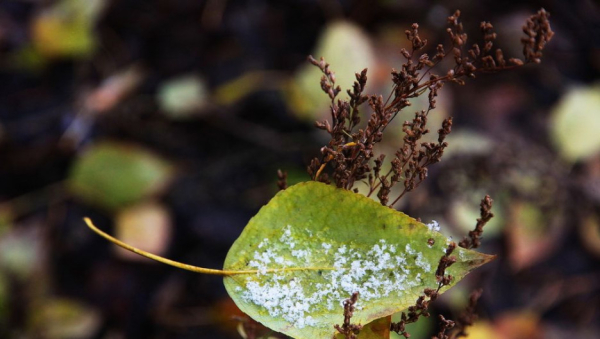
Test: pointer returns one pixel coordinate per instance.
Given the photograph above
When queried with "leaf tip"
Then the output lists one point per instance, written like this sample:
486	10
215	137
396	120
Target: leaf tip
481	260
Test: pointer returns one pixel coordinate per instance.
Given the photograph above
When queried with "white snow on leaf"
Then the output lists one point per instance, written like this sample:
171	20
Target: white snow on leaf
379	272
434	226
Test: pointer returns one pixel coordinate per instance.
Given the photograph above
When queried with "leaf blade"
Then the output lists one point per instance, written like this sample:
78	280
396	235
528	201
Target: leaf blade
379	252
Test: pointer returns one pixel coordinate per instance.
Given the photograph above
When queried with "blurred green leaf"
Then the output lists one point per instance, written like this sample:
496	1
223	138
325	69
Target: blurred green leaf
66	28
113	175
20	252
59	318
467	142
180	96
348	49
575	123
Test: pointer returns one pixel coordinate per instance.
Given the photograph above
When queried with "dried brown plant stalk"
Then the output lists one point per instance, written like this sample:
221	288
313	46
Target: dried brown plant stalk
445	326
429	295
349	156
468	317
474	238
421	306
349	330
281	180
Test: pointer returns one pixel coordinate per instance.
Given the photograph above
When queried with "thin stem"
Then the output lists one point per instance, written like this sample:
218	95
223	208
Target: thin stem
373	188
432	66
187	267
390	96
398	198
169	262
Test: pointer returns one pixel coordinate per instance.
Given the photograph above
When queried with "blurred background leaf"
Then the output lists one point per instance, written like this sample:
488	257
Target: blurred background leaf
65	29
347	48
576	122
113	175
145	225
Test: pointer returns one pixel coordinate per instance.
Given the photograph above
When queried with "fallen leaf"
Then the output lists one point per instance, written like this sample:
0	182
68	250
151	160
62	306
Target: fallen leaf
530	238
314	245
66	29
146	226
181	96
64	318
21	252
575	123
345	46
113	175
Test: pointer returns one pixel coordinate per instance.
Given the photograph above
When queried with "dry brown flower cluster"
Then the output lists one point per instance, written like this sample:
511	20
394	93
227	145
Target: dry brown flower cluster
349	156
349	152
349	330
422	304
474	238
445	326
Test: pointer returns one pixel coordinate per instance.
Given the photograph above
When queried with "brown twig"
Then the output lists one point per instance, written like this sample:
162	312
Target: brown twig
349	330
474	238
468	317
421	306
281	180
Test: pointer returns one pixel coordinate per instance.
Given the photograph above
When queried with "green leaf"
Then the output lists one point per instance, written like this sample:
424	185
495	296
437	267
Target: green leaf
344	45
575	123
181	96
63	318
313	245
113	175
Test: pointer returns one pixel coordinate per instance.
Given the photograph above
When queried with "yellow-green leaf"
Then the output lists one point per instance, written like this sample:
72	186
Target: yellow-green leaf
66	29
63	318
313	245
